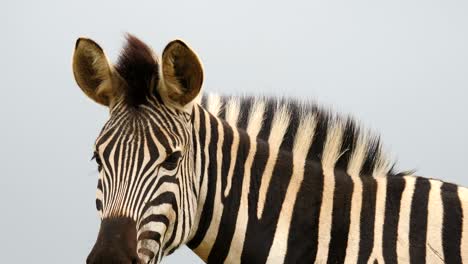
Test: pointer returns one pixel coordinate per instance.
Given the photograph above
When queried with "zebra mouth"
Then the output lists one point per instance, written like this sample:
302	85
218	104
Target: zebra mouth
116	242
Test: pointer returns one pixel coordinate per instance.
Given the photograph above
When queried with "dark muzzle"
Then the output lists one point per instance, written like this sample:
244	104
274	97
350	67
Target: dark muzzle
116	243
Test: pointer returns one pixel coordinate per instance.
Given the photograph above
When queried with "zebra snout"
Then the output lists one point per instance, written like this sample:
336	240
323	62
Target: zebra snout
109	258
116	243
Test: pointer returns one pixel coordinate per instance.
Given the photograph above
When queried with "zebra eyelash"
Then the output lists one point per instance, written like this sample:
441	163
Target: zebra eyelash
97	159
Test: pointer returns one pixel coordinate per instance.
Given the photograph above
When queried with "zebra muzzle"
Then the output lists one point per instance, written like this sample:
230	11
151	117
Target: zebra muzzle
116	242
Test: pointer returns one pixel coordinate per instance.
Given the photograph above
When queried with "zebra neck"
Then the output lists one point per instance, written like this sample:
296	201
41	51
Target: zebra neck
257	205
232	166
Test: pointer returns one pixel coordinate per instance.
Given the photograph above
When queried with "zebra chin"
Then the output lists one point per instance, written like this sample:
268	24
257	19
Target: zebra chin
116	242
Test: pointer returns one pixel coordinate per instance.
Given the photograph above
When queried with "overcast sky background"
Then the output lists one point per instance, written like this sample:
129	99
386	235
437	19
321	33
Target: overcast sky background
401	67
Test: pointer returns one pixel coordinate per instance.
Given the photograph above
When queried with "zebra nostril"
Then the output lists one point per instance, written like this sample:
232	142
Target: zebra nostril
135	260
116	242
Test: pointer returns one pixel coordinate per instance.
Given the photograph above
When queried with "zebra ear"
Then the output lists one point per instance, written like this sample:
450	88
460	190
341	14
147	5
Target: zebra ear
92	71
182	73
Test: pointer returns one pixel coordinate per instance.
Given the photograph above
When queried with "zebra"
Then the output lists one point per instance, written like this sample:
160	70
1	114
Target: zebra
251	180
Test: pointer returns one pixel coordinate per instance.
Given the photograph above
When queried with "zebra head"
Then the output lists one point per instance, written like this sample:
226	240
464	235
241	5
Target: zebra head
146	188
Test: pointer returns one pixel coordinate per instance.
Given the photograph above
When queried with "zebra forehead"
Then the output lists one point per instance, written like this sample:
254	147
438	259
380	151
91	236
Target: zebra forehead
148	125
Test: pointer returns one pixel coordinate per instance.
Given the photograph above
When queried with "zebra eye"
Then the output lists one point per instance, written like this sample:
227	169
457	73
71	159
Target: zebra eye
172	160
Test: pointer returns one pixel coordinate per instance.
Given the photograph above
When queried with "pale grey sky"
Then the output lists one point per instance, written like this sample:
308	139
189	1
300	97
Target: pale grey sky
401	67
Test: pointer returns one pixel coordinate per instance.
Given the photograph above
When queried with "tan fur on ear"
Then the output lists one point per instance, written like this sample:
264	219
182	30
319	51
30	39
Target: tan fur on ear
182	73
92	71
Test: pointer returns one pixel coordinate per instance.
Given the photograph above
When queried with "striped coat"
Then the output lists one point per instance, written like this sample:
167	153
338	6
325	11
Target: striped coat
251	180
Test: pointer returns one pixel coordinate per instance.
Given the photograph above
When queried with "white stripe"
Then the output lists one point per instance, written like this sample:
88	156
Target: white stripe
404	220
463	195
206	245
146	159
434	248
130	190
279	127
197	178
198	99
146	185
108	182
331	154
302	143
237	244
232	111
214	104
204	186
232	114
354	169
115	185
377	251
158	227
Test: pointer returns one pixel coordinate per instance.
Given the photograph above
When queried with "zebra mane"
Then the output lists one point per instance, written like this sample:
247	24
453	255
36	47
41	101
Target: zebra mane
138	66
356	140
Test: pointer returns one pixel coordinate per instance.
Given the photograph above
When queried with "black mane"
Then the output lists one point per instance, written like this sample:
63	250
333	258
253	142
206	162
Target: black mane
138	66
325	119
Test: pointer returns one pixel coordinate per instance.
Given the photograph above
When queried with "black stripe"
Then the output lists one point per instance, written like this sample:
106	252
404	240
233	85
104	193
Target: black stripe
154	218
202	142
373	149
168	198
244	112
153	156
204	100
157	123
207	212
226	156
303	234
222	110
366	242
340	221
105	135
418	221
170	121
146	252
229	216
114	141
132	164
144	192
255	244
98	205
148	140
316	149
142	140
395	188
288	141
150	235
268	120
113	179
163	198
125	158
170	241
453	223
212	171
99	185
195	187
348	144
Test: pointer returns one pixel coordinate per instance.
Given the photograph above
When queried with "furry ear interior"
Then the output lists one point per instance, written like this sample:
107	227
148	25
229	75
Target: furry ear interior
92	71
182	73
